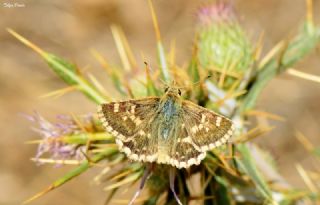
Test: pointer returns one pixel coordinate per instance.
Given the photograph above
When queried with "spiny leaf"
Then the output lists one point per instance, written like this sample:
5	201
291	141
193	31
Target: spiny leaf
121	48
295	50
248	166
66	70
130	178
72	174
161	53
223	193
303	75
113	73
68	73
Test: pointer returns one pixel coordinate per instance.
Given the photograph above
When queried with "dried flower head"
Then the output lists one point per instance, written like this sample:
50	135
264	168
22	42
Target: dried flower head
52	134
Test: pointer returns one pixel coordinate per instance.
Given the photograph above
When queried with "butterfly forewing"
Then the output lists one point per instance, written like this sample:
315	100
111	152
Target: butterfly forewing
130	122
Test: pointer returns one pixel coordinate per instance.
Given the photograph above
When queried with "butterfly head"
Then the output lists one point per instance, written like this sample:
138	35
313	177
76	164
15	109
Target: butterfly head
173	91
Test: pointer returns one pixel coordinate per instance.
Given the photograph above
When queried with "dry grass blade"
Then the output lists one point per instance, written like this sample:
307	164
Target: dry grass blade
102	61
230	95
303	75
26	42
121	174
101	149
60	92
38	195
121	48
85	165
228	73
127	48
229	64
97	84
160	49
172	54
277	48
155	21
98	178
304	141
133	177
259	46
253	133
307	180
78	123
57	161
264	114
34	142
309	11
225	165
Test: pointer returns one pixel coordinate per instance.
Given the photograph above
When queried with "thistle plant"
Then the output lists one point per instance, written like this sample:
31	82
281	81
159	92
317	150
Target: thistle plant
236	173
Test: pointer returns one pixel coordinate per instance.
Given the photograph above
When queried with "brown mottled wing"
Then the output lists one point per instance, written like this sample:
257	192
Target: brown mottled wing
206	128
183	153
130	122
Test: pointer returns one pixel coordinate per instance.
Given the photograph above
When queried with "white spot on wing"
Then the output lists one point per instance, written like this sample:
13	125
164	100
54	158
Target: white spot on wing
218	143
142	133
133	107
132	117
218	121
109	129
151	158
116	107
137	121
194	129
126	150
119	143
115	133
134	157
203	118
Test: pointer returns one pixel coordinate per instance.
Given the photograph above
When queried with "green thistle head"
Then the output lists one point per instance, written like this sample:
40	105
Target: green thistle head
223	46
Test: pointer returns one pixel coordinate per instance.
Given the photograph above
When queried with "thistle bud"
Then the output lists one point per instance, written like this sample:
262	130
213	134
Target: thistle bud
223	46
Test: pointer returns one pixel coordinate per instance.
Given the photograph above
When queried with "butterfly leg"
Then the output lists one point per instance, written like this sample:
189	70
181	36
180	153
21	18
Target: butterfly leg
143	181
171	179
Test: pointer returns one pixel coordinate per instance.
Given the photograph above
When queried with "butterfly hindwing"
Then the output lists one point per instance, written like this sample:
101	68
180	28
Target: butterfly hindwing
206	128
130	123
142	146
183	153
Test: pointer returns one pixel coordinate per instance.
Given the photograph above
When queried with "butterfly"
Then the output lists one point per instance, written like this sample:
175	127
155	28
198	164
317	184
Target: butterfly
165	130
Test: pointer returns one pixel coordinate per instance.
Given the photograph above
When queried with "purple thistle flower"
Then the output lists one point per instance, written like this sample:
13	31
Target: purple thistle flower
216	13
52	132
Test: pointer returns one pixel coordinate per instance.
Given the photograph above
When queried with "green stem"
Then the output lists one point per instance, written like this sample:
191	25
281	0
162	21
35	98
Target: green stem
303	44
71	77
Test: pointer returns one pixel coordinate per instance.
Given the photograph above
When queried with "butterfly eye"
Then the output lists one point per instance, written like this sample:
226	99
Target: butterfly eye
179	91
166	89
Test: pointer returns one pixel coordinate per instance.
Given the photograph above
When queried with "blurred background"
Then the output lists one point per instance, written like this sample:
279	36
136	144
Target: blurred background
71	28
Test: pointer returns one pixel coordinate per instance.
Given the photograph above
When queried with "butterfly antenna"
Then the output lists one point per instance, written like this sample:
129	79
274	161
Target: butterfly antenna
172	174
198	82
143	181
202	80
